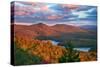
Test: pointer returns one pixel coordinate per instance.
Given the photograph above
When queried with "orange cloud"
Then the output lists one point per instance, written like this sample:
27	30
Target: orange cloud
70	6
21	13
44	8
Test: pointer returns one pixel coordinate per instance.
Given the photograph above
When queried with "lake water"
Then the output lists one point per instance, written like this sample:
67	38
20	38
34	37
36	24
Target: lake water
54	42
82	49
86	49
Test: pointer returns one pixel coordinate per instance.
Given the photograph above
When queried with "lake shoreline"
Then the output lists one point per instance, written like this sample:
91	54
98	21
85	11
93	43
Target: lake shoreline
84	49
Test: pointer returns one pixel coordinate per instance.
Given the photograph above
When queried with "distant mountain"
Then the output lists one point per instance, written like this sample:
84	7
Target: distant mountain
89	27
41	29
67	28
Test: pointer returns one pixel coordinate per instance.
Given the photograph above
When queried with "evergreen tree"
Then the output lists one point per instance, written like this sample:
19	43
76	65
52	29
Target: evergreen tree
71	55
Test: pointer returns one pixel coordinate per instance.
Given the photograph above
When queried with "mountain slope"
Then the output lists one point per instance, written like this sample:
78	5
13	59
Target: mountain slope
67	28
41	29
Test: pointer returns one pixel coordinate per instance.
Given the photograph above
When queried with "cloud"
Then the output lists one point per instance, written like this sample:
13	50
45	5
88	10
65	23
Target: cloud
50	12
80	14
81	23
19	4
85	13
70	6
53	17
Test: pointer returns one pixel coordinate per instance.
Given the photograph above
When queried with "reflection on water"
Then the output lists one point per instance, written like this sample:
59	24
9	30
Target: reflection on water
86	49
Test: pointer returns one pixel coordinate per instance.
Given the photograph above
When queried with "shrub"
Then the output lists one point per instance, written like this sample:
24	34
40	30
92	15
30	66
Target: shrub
23	57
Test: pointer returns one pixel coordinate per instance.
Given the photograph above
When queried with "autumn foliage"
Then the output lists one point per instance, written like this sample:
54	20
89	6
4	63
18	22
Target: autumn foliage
44	48
48	52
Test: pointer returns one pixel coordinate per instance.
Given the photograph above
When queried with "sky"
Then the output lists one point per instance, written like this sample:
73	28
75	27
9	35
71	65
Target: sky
52	13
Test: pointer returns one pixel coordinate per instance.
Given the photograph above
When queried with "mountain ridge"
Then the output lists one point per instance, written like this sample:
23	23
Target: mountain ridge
42	29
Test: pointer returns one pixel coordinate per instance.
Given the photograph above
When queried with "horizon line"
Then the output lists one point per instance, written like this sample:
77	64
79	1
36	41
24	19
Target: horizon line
28	24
